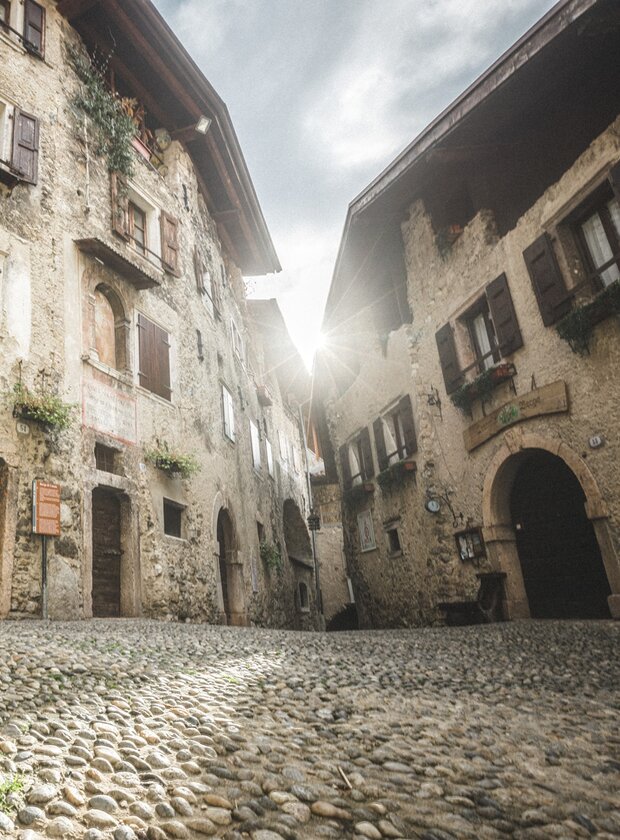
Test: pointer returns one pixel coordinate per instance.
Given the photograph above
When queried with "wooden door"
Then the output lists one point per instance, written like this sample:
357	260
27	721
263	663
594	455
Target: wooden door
106	554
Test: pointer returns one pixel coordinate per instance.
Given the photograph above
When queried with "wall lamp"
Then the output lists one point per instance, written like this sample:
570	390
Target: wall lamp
200	127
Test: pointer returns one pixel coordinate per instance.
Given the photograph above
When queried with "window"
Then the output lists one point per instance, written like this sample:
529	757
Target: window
139	222
260	530
304	604
395	436
228	413
493	332
393	540
470	544
105	458
255	439
598	233
356	460
34	27
173	518
206	285
137	226
111	329
154	358
269	457
5	13
19	144
237	341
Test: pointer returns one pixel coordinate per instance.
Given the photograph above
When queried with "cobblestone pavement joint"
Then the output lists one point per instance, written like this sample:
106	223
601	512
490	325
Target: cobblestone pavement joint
137	729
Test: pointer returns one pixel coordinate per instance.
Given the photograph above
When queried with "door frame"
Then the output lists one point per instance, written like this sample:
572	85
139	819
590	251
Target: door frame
498	530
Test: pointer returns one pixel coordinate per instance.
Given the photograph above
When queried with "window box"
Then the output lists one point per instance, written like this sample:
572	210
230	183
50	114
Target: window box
397	474
578	326
45	408
358	492
173	464
482	386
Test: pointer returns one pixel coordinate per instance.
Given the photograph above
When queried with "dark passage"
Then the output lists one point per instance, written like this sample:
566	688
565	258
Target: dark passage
562	567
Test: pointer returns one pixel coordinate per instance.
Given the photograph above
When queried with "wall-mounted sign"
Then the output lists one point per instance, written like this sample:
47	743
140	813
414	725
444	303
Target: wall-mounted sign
366	531
109	410
22	428
46	508
550	399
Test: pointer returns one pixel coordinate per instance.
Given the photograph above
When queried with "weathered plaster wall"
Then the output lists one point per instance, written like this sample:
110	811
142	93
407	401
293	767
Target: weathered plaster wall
47	294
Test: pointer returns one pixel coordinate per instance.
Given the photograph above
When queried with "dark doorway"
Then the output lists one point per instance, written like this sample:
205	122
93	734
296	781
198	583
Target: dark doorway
106	554
562	568
224	539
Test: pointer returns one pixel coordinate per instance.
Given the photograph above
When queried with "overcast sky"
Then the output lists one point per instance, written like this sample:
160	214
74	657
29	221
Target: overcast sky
323	94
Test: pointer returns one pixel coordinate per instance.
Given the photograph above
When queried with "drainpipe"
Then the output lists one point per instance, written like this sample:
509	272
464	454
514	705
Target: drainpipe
315	559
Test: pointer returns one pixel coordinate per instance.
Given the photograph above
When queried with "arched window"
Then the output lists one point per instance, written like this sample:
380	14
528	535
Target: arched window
111	328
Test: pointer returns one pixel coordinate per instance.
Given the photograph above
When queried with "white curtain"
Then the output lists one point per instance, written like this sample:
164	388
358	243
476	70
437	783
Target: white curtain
598	244
482	339
354	465
390	443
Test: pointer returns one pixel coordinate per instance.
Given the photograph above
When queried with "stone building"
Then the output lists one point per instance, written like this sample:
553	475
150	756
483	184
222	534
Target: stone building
471	380
124	238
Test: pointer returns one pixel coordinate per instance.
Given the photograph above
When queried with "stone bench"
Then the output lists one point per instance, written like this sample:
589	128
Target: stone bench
486	609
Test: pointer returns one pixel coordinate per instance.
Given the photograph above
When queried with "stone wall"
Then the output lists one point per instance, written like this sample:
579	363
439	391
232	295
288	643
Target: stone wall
49	290
394	589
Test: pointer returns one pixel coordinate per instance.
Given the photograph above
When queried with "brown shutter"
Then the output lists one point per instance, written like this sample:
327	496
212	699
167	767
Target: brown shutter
405	411
503	316
346	468
26	146
120	204
614	177
154	358
380	444
169	243
34	27
547	280
452	376
368	468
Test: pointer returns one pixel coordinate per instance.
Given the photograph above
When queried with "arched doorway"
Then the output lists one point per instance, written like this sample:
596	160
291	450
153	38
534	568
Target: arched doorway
560	559
230	572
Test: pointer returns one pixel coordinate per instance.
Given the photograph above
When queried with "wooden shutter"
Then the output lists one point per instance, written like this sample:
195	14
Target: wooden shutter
346	467
169	243
614	178
380	444
25	146
503	315
452	376
547	281
405	410
34	27
154	358
368	467
120	204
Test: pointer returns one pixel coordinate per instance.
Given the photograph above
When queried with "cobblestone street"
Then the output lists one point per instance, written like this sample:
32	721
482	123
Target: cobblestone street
141	729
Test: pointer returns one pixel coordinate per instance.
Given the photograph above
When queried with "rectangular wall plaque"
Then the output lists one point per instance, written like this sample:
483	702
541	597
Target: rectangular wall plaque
109	410
550	399
46	508
366	531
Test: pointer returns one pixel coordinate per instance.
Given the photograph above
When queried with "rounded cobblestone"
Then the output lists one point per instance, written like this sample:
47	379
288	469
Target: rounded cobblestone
155	730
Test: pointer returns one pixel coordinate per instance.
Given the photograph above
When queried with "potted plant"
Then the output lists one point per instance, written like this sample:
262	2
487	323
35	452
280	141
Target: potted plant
45	407
173	464
482	386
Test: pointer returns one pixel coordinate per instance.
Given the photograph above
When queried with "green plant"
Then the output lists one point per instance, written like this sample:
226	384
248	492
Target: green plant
11	793
482	386
271	555
115	129
170	462
44	407
396	474
578	326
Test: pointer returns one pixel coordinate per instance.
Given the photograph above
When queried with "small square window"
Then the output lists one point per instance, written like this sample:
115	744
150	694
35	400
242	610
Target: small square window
173	518
470	544
105	458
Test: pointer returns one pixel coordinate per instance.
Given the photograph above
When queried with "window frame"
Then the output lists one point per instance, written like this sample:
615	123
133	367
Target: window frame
6	23
270	464
255	445
482	361
134	209
168	506
228	414
465	539
141	370
595	204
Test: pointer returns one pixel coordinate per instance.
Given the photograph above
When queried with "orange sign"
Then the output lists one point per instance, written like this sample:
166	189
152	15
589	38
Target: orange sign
46	508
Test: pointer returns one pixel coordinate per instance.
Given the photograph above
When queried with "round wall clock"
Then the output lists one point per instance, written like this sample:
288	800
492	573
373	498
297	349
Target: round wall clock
432	505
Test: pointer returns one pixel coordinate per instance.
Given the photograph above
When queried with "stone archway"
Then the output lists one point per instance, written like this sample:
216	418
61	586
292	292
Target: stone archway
499	532
230	571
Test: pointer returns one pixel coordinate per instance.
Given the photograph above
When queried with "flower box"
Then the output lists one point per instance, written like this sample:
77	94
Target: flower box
482	386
